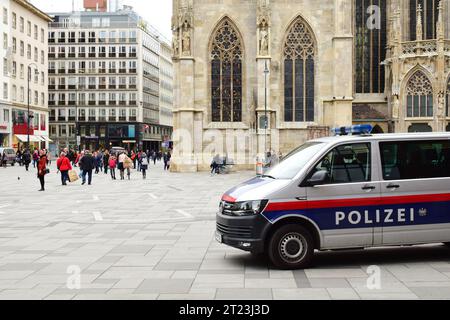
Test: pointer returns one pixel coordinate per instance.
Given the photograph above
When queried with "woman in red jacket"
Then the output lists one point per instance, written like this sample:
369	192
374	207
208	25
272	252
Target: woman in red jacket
42	169
63	165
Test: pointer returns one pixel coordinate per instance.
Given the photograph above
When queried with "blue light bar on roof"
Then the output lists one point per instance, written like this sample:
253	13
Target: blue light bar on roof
353	130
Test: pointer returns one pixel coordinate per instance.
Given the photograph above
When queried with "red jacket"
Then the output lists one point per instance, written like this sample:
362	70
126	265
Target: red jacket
42	165
63	164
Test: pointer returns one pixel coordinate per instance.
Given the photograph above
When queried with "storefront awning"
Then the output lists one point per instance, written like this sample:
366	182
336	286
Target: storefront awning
24	138
45	138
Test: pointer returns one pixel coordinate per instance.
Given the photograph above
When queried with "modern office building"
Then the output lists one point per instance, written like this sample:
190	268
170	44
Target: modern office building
166	93
23	50
104	81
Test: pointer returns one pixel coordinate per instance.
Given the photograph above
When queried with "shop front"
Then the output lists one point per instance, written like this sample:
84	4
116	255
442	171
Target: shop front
5	135
102	136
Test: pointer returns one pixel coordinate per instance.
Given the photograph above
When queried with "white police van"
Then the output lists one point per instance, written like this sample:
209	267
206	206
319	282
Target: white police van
349	191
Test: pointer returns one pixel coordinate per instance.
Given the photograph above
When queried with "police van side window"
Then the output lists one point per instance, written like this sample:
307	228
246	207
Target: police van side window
347	164
415	159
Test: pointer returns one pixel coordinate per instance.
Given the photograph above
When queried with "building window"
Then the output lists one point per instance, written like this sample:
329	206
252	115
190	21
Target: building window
5	16
14	20
419	100
21	24
430	13
29	28
299	53
5	91
370	47
226	74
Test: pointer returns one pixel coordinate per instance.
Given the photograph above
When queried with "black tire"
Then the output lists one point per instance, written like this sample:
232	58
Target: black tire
291	247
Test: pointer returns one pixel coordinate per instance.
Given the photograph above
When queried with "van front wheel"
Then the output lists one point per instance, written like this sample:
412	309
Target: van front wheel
291	247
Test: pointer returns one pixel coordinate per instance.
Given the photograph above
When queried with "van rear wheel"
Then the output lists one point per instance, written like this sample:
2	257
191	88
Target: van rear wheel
291	247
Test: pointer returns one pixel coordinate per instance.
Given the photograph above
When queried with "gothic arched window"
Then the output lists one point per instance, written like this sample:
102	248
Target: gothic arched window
419	99
430	12
370	45
299	53
226	74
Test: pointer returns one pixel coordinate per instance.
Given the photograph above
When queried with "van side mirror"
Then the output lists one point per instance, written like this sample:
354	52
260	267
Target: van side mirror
319	178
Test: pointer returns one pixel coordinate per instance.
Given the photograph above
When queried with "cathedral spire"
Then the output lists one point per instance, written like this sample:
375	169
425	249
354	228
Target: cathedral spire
419	26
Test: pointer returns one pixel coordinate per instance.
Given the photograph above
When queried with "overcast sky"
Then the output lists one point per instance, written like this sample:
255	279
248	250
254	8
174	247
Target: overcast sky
157	12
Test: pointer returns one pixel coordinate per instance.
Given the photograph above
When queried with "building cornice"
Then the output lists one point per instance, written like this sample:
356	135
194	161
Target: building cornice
33	9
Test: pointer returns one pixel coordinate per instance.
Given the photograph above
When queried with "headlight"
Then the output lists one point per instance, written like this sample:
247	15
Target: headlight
246	208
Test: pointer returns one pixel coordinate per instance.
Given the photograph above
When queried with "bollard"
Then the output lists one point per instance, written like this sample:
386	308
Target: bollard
259	167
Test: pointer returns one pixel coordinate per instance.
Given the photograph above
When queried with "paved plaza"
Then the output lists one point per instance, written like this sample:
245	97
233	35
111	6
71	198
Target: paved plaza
154	239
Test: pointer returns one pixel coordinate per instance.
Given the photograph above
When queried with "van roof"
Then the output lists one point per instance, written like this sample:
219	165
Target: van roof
386	136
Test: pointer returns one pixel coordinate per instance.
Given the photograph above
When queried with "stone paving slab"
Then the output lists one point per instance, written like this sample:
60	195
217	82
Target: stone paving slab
154	239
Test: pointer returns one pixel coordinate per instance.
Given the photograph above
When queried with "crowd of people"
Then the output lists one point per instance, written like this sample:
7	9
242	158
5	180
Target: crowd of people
101	161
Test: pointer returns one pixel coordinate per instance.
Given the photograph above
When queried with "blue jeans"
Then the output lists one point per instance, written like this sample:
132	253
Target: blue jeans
89	173
64	176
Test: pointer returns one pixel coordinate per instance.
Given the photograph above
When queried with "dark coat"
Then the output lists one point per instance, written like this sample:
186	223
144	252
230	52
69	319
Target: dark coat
87	162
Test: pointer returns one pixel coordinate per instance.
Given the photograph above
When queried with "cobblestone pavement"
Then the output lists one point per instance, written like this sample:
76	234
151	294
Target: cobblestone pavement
154	239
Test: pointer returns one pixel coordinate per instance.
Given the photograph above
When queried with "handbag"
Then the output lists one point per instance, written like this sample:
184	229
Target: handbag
47	171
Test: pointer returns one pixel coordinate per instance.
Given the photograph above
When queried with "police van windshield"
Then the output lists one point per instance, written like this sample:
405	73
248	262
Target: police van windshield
295	161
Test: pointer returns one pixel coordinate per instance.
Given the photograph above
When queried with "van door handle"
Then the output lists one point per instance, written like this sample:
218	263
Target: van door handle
368	188
301	198
393	186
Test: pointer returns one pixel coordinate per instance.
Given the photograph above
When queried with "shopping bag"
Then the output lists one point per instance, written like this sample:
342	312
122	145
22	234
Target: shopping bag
127	163
73	176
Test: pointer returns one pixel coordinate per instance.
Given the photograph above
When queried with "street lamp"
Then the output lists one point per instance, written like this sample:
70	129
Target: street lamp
266	120
77	132
28	101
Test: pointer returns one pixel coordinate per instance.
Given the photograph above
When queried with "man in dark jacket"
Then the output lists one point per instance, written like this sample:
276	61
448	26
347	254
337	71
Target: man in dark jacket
87	164
26	158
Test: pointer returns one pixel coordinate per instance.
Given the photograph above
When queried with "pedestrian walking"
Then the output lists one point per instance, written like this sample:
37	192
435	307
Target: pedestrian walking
4	161
42	169
63	165
77	161
167	157
35	157
112	167
144	166
121	166
133	158
106	161
87	164
154	156
26	159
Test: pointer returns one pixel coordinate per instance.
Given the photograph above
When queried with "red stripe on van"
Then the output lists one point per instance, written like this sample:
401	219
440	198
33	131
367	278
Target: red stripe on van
228	198
352	202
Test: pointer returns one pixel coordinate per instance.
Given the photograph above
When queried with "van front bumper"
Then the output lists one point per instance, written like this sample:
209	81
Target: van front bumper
245	233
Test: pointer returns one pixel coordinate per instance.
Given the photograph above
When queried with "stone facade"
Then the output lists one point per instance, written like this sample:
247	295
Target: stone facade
319	36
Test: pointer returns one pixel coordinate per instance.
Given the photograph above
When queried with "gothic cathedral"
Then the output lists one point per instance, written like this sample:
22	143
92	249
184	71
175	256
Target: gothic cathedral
253	76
